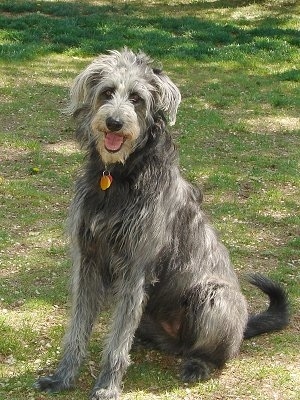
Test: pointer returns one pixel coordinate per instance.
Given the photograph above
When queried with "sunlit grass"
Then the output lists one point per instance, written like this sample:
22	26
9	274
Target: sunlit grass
238	138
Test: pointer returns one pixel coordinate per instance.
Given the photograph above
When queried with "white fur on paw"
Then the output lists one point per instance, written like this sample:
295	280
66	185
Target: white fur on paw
105	394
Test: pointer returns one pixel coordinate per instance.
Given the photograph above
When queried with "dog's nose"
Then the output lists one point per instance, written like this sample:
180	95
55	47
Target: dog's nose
114	124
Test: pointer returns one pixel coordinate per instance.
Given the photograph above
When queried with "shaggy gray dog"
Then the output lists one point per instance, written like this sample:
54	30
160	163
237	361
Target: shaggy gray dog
140	240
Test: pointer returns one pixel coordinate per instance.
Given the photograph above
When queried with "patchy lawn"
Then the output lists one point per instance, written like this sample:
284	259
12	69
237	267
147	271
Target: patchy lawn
237	66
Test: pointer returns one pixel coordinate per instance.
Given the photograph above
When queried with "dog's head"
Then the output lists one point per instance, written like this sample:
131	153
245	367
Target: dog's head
121	93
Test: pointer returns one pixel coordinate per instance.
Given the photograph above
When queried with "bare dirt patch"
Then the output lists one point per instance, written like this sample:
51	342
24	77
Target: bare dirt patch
66	147
271	125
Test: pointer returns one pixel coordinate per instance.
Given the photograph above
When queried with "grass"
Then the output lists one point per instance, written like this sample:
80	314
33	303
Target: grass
236	64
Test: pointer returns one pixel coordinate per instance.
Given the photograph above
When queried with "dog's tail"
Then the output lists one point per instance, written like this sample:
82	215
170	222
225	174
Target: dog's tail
276	317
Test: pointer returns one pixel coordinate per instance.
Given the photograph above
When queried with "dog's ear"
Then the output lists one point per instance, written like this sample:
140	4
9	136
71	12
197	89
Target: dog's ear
83	87
168	94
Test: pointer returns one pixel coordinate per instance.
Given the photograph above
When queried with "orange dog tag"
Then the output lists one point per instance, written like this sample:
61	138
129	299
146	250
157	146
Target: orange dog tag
106	180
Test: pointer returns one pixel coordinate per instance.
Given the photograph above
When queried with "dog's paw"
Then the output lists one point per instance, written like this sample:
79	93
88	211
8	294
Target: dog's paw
104	394
194	370
51	384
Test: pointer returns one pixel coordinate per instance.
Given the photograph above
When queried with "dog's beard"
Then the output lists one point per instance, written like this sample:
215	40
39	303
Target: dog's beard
110	156
114	147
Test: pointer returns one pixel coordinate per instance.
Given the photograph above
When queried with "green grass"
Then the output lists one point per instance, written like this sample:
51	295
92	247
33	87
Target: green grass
237	66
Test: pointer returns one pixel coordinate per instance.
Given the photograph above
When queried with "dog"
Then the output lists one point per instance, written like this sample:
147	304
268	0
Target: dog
140	240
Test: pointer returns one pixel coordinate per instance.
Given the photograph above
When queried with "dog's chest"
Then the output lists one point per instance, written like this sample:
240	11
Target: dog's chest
113	218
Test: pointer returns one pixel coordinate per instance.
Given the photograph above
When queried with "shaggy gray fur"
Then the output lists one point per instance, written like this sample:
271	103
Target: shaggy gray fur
144	244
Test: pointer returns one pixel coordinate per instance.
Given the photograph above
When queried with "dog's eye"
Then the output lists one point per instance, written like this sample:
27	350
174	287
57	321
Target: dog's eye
134	98
108	93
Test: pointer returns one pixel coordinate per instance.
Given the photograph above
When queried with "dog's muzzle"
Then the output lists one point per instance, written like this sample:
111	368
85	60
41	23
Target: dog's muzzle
114	140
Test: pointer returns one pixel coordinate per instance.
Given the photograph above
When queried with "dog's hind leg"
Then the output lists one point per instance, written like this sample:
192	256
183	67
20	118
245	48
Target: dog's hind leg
152	335
87	295
212	329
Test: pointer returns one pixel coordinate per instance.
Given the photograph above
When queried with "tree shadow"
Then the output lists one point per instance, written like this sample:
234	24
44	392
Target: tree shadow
31	29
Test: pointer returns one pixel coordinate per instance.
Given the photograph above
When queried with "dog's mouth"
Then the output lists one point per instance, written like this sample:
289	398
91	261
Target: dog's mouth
113	142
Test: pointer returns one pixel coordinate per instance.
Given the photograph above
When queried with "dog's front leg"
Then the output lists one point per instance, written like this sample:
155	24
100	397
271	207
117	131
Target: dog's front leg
88	292
126	318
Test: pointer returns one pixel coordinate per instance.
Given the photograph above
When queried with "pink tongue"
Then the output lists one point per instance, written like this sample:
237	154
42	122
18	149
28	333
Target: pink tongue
113	142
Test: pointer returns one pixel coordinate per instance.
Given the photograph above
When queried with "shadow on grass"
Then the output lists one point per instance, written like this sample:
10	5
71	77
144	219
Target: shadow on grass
31	29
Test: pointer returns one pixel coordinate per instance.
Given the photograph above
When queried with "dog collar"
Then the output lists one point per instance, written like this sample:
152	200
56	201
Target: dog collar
105	180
